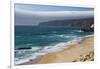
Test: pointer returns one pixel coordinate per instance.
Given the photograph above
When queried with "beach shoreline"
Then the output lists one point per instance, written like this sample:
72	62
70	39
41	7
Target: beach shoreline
72	53
81	52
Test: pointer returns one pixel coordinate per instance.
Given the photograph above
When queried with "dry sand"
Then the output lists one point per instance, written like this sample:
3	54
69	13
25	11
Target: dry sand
78	52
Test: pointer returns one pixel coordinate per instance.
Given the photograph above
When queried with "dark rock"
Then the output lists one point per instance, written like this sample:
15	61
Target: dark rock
88	27
23	48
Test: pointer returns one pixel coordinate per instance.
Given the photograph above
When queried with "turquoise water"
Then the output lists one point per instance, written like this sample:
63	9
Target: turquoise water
40	40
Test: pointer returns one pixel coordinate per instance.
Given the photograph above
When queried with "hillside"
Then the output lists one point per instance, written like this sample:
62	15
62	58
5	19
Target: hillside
83	24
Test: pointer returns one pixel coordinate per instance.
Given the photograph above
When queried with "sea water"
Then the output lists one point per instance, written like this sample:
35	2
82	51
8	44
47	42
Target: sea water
42	40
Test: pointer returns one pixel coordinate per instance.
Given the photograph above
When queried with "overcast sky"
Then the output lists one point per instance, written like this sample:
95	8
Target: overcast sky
29	14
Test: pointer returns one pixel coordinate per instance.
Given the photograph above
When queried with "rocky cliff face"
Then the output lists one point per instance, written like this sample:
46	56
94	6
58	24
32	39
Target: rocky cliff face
87	27
84	24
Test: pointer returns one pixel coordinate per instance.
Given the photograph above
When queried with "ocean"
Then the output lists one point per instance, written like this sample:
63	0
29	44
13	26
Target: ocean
32	42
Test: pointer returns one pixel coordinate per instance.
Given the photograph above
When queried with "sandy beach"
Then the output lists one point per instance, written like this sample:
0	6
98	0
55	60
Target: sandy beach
81	52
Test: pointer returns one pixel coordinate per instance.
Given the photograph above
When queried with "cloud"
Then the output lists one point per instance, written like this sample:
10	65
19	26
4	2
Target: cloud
28	17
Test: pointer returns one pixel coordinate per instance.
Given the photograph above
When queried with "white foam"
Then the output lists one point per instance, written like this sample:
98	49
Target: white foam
79	31
33	56
67	36
27	57
89	36
24	60
60	46
35	48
